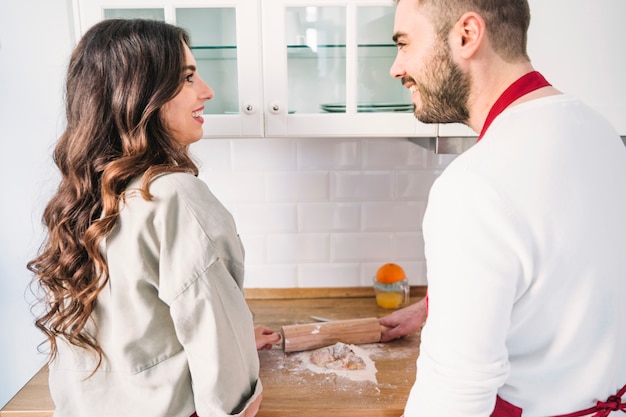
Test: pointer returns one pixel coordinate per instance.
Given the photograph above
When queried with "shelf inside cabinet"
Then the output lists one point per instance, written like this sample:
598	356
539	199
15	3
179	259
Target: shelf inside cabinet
219	53
325	46
209	47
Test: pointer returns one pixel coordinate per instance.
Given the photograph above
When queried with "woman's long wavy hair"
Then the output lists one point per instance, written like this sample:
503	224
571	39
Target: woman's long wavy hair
119	77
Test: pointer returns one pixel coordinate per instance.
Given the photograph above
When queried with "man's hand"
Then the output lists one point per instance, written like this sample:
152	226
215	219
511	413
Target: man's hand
404	321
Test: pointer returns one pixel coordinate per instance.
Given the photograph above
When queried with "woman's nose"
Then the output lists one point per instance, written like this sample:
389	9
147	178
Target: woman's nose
210	93
206	92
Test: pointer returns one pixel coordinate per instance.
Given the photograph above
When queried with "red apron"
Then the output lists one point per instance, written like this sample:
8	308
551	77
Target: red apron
601	409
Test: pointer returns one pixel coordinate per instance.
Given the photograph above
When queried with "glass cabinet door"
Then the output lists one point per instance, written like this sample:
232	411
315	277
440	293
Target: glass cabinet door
377	91
326	70
224	40
316	54
131	13
214	46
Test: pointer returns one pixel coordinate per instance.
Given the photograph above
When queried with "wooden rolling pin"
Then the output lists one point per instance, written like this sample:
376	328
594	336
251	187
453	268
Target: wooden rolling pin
298	337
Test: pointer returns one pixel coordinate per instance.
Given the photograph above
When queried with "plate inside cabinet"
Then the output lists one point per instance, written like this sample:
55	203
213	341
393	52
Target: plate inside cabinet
368	107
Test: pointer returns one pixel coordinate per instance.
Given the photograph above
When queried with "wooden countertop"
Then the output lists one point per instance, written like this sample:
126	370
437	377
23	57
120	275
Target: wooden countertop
291	387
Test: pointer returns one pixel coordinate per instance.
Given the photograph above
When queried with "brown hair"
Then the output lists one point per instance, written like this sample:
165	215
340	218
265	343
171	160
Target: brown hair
120	75
507	22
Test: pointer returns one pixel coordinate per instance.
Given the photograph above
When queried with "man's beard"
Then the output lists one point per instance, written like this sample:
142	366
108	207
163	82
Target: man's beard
445	92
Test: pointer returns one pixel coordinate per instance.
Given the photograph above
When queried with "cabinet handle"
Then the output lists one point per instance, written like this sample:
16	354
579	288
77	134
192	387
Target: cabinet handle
248	108
275	108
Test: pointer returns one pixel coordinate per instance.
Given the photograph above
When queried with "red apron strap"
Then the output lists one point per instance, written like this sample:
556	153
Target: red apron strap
522	86
505	409
603	408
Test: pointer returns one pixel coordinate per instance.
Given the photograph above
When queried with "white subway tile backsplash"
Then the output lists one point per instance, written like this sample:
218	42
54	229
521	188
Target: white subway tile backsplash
361	185
265	218
298	248
212	155
329	217
236	186
392	216
417	274
264	154
255	247
297	186
328	275
361	247
409	246
414	185
329	154
271	276
323	212
439	160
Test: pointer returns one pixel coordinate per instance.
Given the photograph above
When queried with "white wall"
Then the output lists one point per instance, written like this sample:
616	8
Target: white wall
34	46
580	47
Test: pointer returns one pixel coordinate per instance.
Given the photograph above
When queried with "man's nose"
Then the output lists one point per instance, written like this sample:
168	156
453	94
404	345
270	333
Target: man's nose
396	70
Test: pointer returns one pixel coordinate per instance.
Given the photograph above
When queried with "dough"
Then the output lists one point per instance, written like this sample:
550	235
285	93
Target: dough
337	356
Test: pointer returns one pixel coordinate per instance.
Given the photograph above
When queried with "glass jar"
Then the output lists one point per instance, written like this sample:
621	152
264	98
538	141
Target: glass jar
393	295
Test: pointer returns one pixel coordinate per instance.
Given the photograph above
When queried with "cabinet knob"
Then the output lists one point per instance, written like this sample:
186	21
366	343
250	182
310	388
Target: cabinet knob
275	108
248	109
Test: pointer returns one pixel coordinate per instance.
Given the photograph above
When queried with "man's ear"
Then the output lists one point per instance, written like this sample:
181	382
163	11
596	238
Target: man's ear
467	35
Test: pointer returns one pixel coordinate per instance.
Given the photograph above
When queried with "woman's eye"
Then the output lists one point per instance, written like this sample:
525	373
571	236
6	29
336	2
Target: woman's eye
189	77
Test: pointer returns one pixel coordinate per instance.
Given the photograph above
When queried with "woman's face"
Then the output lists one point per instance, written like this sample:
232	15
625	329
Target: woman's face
183	114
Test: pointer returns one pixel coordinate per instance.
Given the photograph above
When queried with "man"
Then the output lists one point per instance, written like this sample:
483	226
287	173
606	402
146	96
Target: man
525	233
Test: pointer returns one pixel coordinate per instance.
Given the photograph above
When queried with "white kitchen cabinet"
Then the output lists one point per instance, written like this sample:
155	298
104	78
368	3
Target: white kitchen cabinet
287	67
321	67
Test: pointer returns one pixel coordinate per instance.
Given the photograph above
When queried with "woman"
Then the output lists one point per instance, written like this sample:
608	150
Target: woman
142	270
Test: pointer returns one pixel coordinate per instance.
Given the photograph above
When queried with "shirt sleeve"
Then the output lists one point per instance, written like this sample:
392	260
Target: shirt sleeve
201	278
474	249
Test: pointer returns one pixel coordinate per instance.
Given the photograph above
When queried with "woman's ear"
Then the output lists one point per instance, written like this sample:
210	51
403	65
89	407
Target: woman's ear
467	35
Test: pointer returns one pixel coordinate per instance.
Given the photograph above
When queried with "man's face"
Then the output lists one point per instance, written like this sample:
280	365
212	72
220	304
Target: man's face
440	89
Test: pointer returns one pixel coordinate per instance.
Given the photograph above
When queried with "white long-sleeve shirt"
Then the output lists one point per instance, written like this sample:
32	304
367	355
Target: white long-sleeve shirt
525	238
172	321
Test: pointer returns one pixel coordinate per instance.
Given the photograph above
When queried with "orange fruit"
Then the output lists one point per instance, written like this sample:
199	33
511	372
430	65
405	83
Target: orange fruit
390	273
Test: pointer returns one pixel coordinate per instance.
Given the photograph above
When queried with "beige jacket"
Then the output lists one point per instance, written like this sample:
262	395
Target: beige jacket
172	321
